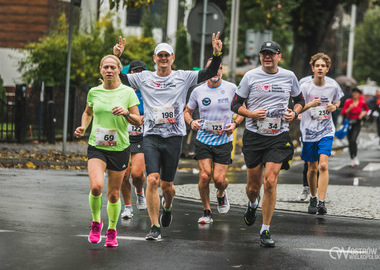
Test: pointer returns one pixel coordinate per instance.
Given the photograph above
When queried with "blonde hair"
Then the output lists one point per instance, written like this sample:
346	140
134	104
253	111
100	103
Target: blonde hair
119	65
114	58
318	56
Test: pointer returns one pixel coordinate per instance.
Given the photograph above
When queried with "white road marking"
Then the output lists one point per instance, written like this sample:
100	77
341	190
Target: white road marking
372	167
348	251
6	231
120	237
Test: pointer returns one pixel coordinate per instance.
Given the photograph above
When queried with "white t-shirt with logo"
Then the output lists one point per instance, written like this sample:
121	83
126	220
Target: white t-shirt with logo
164	100
316	122
215	110
271	92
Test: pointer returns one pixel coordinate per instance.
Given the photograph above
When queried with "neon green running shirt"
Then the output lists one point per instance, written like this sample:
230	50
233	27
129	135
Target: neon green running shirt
110	132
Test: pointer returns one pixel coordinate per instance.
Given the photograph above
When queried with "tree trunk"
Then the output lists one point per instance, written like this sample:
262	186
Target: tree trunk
312	21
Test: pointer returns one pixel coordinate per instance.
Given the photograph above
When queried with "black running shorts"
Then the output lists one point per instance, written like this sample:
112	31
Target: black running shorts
162	155
136	144
218	153
262	149
115	160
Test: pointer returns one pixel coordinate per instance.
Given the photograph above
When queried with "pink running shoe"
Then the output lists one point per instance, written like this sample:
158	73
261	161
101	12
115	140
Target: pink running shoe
111	240
95	233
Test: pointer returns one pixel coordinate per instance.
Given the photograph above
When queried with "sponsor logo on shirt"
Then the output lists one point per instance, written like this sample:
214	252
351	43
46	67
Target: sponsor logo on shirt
161	85
264	87
223	100
206	101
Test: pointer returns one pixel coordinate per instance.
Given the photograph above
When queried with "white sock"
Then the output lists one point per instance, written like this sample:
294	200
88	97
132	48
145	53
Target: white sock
264	228
312	197
254	205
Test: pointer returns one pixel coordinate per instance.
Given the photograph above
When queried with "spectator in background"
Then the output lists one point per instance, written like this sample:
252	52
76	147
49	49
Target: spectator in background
354	109
374	106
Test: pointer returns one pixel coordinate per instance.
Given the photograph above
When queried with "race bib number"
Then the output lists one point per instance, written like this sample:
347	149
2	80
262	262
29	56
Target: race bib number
106	137
320	113
163	115
135	131
214	127
269	126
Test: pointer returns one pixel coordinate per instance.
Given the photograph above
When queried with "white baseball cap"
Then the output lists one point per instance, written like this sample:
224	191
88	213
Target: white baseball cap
163	47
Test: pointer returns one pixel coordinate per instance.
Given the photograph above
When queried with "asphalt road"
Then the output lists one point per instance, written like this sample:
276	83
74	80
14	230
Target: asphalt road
45	216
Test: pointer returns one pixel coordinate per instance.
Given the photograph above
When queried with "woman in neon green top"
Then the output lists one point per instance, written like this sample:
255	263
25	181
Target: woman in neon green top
110	106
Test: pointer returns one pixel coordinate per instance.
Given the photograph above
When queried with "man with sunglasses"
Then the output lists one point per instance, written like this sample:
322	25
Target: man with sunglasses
164	94
265	91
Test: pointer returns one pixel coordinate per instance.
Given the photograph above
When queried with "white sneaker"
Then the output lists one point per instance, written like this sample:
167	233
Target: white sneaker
140	201
304	194
356	161
352	163
206	218
128	212
223	203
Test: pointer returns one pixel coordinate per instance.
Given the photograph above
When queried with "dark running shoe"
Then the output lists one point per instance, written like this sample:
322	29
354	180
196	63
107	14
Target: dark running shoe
266	240
166	216
250	213
154	233
321	208
312	208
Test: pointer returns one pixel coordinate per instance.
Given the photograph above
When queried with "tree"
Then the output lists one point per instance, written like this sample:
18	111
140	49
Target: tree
128	3
147	23
182	59
367	53
46	59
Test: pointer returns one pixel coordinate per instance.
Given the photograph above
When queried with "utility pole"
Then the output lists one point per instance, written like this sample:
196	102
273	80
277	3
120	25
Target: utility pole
233	40
351	42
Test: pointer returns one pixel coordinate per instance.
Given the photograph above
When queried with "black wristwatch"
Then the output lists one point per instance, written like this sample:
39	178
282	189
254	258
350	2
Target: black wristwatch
296	114
237	124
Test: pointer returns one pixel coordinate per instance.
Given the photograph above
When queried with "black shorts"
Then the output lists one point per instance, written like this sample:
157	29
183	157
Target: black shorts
262	149
136	144
162	155
115	160
218	153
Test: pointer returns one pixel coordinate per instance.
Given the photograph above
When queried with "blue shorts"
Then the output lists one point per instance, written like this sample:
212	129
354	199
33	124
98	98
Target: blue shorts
312	150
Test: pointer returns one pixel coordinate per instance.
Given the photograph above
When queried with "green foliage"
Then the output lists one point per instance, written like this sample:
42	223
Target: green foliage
147	23
182	58
367	38
128	3
46	59
141	48
265	15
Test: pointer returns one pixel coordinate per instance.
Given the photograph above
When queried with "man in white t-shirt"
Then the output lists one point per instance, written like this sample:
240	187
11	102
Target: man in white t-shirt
164	94
213	143
322	97
266	142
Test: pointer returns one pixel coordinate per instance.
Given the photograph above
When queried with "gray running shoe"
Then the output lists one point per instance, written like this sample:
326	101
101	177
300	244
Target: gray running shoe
223	203
312	208
154	233
266	240
305	194
141	201
321	208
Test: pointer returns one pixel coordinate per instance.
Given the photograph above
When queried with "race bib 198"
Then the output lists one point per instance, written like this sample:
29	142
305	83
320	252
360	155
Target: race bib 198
214	127
135	131
162	115
106	137
269	126
319	113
